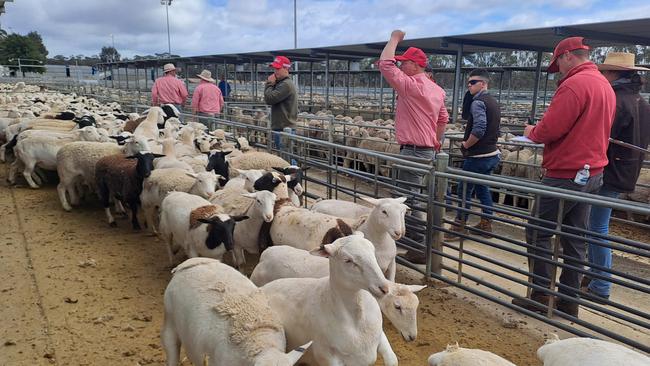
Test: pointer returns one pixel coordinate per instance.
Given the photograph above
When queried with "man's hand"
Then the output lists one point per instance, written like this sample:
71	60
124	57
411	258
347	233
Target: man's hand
397	35
528	130
271	79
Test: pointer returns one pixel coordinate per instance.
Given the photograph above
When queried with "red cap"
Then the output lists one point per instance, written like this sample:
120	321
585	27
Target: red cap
413	54
280	62
565	45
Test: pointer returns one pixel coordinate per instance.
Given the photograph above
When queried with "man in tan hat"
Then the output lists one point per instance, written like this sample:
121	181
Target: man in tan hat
631	126
207	99
575	133
168	89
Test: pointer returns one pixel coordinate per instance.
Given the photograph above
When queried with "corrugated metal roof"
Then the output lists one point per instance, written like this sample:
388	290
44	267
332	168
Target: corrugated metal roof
624	32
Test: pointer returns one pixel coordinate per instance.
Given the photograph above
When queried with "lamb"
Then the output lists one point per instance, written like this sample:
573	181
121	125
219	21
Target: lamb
338	312
588	352
149	127
75	165
122	177
162	181
304	229
170	160
257	160
41	150
214	311
259	209
457	356
182	220
382	226
399	305
340	208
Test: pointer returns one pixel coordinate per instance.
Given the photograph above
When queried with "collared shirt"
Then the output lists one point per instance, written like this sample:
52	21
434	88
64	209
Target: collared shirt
420	107
168	89
207	98
478	110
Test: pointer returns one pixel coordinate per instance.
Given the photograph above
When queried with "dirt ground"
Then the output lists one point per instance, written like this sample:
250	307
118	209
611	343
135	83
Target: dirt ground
75	292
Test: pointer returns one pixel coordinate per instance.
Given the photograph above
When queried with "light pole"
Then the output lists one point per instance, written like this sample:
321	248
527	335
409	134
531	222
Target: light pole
113	45
295	39
167	3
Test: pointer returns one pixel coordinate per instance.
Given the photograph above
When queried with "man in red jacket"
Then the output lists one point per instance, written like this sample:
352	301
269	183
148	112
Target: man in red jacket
575	133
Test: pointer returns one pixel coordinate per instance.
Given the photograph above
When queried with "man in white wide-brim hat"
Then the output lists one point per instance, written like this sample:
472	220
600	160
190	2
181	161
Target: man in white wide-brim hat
632	126
168	89
207	99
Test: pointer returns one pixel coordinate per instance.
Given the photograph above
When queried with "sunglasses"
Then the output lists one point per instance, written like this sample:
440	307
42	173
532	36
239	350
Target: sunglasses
473	82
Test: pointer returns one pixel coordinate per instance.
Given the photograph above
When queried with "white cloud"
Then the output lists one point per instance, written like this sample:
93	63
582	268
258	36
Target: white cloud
225	26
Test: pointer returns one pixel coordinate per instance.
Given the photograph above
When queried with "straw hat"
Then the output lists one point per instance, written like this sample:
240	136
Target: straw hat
620	61
206	75
168	67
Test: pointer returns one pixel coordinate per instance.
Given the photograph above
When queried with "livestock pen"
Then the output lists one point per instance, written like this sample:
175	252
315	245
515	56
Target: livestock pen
496	269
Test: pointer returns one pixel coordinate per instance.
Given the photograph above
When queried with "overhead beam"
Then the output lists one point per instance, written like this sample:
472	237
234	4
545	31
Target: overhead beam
602	36
496	44
435	51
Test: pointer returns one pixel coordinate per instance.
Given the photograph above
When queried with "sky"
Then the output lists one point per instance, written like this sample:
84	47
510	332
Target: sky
200	27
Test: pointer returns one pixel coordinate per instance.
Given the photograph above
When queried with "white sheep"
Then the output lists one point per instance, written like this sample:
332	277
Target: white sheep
341	208
196	225
258	206
457	356
588	352
170	160
382	226
149	127
400	304
212	310
338	312
162	181
41	150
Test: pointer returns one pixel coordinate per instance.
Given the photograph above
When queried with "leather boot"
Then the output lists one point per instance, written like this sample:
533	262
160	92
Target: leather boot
568	307
538	302
485	225
457	227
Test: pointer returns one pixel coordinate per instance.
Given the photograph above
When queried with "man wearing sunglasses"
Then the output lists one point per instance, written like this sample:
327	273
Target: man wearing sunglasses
575	132
479	147
420	115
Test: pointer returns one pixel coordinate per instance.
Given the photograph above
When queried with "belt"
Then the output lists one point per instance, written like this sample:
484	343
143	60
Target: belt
414	147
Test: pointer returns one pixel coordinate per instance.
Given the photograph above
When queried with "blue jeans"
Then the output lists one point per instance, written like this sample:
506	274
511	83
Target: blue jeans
599	255
277	140
482	166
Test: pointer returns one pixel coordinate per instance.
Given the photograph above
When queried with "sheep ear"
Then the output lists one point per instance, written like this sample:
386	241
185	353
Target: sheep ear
400	199
324	251
370	200
132	157
281	170
205	221
239	218
158	155
191	175
249	195
416	288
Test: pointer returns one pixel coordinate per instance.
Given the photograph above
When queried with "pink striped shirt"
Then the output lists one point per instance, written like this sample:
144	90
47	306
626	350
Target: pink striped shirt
168	89
207	98
420	106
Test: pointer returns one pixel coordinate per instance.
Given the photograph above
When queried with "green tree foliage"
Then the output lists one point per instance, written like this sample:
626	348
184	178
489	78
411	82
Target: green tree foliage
15	46
109	54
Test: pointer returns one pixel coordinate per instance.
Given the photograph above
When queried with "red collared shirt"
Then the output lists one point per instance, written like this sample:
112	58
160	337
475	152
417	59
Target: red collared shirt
207	98
420	106
168	89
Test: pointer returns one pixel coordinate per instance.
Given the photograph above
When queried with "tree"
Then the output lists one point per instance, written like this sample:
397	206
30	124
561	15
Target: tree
109	54
15	47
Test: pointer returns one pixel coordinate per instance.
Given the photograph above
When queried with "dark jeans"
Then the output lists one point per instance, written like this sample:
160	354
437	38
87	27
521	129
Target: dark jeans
482	166
412	180
207	122
574	215
278	141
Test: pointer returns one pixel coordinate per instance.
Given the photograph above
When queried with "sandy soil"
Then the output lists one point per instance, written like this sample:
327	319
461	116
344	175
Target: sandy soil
75	292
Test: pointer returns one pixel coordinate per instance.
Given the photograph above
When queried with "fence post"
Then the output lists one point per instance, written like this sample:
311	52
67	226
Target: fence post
332	158
437	188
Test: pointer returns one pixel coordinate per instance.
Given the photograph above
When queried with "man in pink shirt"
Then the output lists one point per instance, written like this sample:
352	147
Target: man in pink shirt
168	89
420	116
207	100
